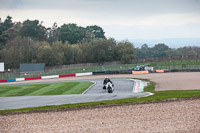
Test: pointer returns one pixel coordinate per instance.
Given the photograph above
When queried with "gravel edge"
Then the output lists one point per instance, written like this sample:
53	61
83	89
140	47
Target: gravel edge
98	106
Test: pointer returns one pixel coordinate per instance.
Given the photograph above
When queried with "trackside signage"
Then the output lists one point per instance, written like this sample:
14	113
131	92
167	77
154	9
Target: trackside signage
1	66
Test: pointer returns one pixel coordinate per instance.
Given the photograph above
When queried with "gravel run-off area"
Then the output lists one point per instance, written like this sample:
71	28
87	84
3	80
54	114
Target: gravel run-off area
164	117
181	116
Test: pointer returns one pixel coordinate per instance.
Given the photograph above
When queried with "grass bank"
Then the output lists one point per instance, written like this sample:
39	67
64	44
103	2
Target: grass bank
45	89
158	96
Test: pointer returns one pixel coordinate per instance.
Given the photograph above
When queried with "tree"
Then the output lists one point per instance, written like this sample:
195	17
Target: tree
95	32
71	33
159	50
45	54
6	24
58	53
33	29
6	31
191	52
7	35
126	51
173	52
53	33
103	50
196	49
16	51
87	51
184	50
144	52
77	54
67	49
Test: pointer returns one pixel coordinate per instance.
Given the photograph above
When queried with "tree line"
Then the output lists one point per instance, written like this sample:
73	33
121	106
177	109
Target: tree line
162	50
31	42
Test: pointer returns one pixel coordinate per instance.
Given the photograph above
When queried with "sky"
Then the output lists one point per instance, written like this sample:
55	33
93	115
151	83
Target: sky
120	19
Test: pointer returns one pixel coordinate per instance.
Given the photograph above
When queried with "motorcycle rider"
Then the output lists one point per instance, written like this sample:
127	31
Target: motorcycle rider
106	80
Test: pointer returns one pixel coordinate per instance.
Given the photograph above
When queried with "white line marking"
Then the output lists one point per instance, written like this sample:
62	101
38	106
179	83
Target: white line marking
90	87
149	94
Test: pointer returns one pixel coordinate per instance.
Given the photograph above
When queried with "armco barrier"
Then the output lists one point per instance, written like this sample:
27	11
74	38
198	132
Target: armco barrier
184	70
3	80
105	72
125	72
112	72
11	80
84	74
67	75
20	79
98	73
32	78
50	77
46	77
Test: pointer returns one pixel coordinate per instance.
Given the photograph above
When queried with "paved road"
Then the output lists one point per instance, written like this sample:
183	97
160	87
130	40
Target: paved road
123	89
120	86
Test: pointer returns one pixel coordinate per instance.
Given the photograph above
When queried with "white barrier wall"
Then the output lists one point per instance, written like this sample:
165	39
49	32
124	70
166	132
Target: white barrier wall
84	74
20	79
50	77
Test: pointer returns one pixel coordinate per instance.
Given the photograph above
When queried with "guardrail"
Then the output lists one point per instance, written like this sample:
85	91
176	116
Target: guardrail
47	77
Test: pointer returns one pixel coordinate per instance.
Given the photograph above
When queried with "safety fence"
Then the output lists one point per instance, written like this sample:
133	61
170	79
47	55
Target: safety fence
176	64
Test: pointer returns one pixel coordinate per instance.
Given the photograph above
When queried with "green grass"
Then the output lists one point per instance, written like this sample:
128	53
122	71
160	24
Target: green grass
162	95
178	64
45	89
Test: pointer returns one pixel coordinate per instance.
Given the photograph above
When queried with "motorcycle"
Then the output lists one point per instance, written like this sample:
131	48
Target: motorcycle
109	87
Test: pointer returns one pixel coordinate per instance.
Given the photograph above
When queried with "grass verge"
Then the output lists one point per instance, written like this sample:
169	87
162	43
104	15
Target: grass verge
45	89
158	96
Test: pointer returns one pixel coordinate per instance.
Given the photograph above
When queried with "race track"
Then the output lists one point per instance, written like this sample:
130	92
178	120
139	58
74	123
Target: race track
123	89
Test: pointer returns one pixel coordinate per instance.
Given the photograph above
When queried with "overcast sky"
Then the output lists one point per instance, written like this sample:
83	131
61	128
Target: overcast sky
121	19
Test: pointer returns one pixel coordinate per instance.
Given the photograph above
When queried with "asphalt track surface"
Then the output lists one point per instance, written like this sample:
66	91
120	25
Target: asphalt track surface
123	88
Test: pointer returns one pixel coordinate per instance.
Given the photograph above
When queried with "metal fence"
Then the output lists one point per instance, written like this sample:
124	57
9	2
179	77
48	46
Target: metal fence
175	62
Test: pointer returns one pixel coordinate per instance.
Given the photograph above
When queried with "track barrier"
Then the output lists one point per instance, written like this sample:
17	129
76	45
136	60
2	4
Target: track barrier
32	78
20	79
161	70
47	77
50	77
97	73
11	80
140	72
84	74
67	75
3	80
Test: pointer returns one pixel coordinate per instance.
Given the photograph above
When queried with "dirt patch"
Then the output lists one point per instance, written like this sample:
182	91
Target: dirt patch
174	81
